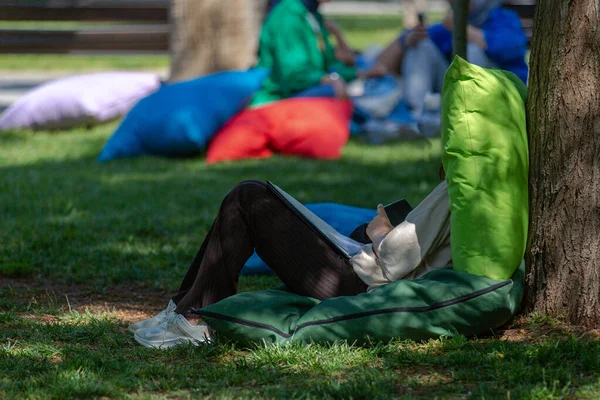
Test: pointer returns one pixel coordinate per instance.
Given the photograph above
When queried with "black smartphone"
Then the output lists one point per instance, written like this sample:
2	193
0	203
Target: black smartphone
397	211
421	17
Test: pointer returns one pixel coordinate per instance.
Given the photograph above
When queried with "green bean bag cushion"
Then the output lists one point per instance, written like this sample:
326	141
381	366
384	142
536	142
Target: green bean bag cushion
442	302
485	156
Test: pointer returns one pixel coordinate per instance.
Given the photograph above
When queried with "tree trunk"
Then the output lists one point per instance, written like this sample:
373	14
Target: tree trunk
459	36
410	10
563	256
213	35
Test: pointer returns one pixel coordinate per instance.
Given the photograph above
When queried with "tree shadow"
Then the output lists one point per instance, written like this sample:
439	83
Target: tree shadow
142	220
93	356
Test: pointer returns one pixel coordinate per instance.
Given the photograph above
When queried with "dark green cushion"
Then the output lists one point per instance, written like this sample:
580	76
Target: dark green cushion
443	302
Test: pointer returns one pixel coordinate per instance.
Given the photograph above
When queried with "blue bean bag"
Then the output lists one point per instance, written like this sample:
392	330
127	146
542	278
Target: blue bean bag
343	218
180	118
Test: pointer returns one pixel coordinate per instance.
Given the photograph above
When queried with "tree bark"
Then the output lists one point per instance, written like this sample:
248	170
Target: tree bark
563	256
213	35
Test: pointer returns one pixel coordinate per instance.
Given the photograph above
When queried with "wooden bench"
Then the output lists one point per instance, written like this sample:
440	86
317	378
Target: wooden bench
136	26
133	26
526	11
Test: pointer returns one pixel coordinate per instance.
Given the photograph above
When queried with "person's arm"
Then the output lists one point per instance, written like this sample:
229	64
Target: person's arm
346	72
425	228
391	57
476	36
339	37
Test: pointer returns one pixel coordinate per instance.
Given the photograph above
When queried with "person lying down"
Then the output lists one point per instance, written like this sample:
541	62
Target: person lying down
252	217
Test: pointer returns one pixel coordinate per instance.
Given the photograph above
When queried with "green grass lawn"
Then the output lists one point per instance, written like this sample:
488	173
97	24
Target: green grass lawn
85	248
133	226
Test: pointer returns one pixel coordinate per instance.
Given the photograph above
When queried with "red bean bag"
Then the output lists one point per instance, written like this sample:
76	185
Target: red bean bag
306	127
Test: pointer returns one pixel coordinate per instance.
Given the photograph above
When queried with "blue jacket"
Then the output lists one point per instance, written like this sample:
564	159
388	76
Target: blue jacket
506	41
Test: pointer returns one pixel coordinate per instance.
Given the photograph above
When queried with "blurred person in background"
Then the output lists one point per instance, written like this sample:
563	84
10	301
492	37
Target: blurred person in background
295	47
422	55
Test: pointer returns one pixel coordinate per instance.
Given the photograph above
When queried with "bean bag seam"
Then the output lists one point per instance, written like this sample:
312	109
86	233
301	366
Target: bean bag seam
242	322
474	160
436	306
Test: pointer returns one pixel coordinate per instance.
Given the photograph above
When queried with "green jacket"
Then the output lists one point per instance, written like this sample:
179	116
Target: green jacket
297	54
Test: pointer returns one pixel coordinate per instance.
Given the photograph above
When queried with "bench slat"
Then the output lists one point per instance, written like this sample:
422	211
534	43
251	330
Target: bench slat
144	39
526	11
85	10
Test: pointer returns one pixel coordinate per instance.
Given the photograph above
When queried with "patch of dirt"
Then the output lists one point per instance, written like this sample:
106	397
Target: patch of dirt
426	382
521	330
127	302
427	376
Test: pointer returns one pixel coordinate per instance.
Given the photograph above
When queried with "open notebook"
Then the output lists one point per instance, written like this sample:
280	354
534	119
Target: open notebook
343	245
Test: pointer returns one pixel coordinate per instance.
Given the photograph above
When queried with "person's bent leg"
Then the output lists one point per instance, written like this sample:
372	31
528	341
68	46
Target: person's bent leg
423	70
476	55
250	217
391	57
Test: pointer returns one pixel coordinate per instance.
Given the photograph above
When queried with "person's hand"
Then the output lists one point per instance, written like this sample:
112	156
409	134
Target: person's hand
346	56
375	72
332	27
418	34
339	85
449	21
379	227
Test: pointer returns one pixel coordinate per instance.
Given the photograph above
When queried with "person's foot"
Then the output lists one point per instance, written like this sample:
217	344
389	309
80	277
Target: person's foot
176	330
156	320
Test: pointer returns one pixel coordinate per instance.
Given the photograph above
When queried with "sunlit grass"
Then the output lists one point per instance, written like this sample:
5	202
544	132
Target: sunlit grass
67	217
84	355
65	214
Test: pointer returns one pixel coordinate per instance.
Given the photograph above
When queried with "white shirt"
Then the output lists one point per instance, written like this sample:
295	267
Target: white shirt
418	245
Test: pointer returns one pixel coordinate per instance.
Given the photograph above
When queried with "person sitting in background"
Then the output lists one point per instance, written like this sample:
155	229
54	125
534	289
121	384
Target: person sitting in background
343	51
422	55
294	45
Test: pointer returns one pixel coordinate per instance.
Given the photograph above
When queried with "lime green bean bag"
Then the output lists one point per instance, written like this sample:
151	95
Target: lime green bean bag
443	302
486	159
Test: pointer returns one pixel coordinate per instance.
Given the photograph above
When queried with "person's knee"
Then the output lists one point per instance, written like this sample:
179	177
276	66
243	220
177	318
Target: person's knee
425	48
476	55
246	190
422	57
249	186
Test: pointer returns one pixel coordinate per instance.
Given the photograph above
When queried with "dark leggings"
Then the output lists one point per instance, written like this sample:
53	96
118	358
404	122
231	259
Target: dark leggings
252	218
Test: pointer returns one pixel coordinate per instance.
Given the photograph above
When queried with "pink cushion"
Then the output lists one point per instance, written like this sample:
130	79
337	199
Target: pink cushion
79	100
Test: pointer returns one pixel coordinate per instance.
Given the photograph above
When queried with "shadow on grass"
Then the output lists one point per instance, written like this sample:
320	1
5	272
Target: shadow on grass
142	220
81	355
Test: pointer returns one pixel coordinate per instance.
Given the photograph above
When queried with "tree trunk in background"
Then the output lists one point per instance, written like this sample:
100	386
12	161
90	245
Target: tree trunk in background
459	37
213	35
563	257
410	9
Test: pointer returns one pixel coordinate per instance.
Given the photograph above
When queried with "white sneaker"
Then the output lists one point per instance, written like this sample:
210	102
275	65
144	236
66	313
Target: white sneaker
174	331
156	320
